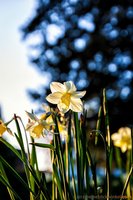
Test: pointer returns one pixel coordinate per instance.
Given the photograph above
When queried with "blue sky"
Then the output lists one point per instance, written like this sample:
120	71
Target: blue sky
16	73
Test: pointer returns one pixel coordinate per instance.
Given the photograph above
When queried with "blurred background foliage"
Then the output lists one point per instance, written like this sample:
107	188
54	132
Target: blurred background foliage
89	42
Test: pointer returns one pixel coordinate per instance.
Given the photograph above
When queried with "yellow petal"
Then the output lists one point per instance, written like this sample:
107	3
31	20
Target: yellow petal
54	98
117	143
3	128
65	99
70	87
57	87
76	105
37	130
115	136
49	119
43	116
124	130
124	148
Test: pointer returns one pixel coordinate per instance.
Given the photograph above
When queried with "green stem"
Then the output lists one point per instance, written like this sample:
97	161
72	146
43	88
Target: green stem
127	170
127	182
93	169
77	138
107	151
107	147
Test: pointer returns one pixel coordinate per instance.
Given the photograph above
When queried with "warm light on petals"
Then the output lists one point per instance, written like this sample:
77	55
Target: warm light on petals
122	139
78	94
66	97
62	107
36	131
76	105
38	127
57	87
54	98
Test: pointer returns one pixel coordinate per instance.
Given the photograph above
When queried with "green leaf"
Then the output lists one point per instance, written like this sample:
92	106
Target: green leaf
15	151
58	183
98	124
13	171
9	188
50	146
34	164
5	181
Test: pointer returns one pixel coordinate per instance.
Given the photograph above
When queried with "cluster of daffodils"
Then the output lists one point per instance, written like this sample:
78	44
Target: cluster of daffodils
67	98
122	139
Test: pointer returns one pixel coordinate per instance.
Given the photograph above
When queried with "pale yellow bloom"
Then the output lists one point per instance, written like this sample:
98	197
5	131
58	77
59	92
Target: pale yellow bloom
38	126
66	96
122	139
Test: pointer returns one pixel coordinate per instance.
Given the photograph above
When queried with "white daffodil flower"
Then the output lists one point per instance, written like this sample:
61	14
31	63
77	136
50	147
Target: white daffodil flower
38	126
66	96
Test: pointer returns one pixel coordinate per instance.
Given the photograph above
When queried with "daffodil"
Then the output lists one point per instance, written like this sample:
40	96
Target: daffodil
122	139
3	128
37	126
66	96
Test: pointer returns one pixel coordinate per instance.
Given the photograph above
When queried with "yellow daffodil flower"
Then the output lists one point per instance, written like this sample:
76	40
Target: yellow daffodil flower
65	96
38	126
122	139
3	128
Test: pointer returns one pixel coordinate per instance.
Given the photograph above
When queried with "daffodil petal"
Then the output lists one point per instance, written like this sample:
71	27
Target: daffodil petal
37	130
76	105
115	136
3	128
62	107
78	94
32	116
57	87
70	87
123	148
124	130
117	143
54	98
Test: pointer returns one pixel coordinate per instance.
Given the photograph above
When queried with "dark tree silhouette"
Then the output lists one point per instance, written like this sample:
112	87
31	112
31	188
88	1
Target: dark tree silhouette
91	43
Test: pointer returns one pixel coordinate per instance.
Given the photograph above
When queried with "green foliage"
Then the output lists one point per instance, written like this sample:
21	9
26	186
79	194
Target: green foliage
74	164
